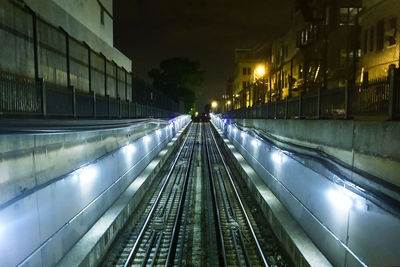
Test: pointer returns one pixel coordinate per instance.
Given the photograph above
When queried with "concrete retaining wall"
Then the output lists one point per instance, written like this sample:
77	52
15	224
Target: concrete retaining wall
372	147
348	228
92	247
293	239
29	161
40	225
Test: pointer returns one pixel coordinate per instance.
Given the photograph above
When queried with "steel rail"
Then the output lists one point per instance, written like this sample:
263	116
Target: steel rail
255	239
217	219
178	218
153	208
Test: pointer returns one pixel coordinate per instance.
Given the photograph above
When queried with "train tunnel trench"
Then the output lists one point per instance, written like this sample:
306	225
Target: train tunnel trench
198	212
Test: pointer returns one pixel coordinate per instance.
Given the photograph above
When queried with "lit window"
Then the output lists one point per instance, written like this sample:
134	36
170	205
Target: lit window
348	16
344	16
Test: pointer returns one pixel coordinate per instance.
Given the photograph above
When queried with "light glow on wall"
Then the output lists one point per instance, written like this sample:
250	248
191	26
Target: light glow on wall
129	149
278	157
86	174
340	199
255	143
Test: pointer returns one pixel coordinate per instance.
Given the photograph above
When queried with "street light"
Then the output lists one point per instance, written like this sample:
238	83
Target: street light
214	105
259	74
228	103
260	71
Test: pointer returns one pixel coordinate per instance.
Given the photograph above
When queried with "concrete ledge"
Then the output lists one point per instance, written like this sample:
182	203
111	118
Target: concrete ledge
89	250
294	240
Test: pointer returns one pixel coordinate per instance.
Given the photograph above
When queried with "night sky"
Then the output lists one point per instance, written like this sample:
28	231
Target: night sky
208	31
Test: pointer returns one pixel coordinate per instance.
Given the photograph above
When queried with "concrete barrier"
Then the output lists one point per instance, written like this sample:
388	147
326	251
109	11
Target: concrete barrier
371	147
348	226
40	224
293	239
93	246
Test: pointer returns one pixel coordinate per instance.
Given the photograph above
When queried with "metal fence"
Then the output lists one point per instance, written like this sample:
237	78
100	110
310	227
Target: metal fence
20	96
46	72
378	97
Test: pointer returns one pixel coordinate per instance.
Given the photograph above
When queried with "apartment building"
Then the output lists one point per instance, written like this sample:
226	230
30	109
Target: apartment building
379	21
250	67
320	51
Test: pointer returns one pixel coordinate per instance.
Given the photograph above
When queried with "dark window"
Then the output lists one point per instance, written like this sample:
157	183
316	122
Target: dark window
286	78
371	39
248	70
365	77
380	35
392	31
244	71
244	85
365	43
343	58
101	15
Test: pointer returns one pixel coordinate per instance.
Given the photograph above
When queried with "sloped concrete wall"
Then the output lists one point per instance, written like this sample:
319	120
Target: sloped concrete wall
372	147
349	227
31	160
40	225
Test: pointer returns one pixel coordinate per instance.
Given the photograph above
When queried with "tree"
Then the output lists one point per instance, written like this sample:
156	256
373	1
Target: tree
179	78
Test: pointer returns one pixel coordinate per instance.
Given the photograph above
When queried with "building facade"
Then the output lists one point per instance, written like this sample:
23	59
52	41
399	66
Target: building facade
86	20
250	68
379	22
320	51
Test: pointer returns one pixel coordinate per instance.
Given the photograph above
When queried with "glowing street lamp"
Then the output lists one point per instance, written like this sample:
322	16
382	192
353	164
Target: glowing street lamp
260	71
228	103
214	104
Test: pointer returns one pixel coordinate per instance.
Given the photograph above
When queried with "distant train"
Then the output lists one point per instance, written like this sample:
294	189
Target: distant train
202	117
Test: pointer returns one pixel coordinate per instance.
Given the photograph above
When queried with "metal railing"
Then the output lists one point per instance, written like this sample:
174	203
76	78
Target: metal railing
378	98
20	96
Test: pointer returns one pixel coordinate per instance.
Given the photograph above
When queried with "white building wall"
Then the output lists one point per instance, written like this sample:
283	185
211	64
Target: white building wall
81	19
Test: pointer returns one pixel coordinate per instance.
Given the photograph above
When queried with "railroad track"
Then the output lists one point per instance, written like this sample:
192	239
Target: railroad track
196	215
155	238
236	229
